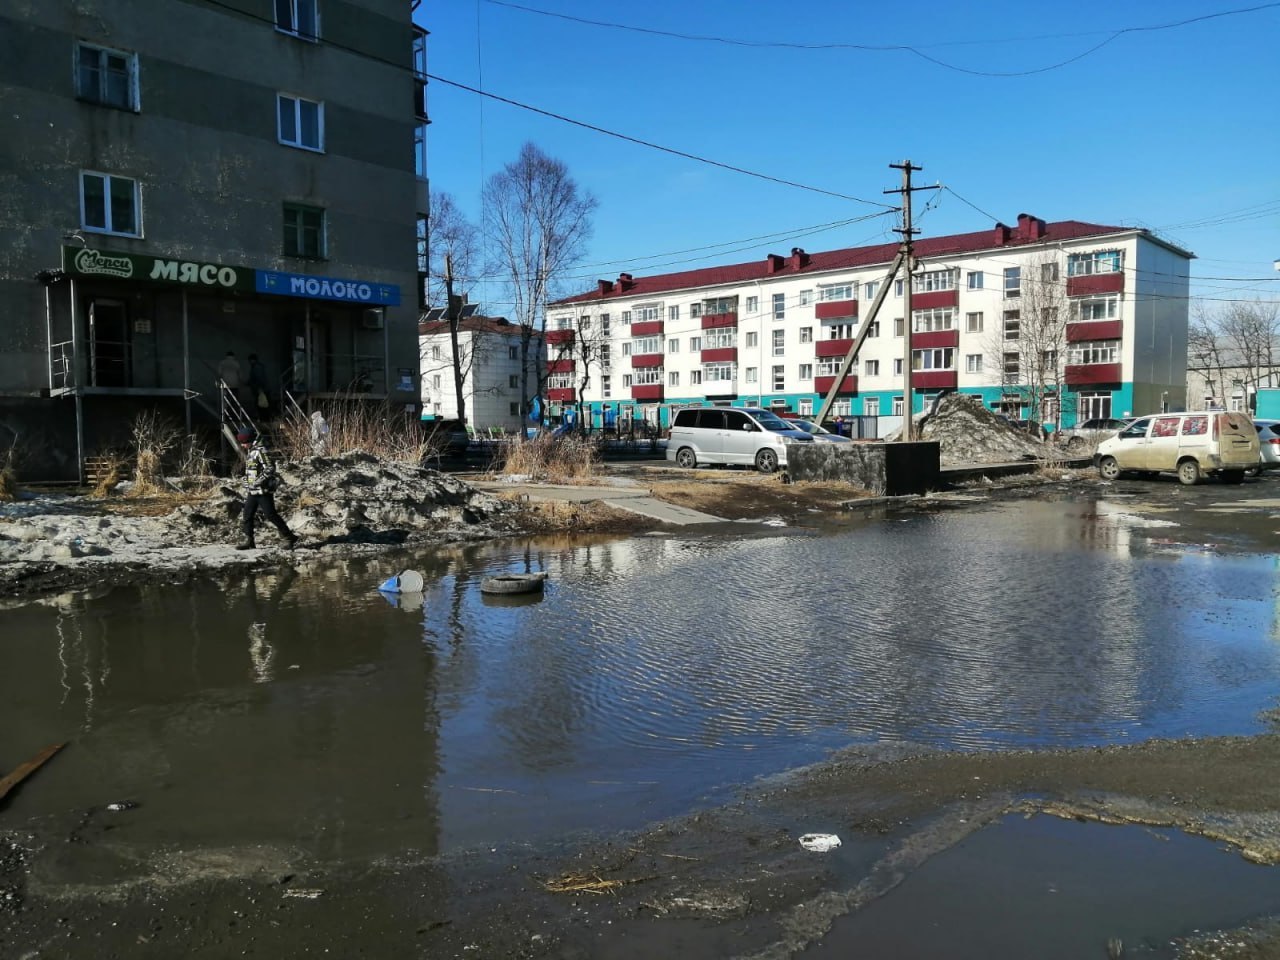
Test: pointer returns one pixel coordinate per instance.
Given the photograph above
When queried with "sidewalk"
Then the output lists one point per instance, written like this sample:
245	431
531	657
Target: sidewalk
624	496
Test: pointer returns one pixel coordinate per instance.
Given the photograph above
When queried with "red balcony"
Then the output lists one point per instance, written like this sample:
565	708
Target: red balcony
649	328
1092	283
835	309
561	394
823	385
560	366
720	355
1085	374
560	336
932	379
832	348
713	320
639	360
935	298
935	338
647	391
1094	330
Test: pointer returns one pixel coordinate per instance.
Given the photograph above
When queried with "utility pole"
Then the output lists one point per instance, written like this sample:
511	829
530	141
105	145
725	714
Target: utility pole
452	309
909	266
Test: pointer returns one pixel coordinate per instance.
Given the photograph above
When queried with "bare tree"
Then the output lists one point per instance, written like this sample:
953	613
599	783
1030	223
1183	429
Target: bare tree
453	244
1235	347
538	220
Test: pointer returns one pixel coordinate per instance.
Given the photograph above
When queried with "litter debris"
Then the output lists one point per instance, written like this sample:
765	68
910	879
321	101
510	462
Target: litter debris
27	769
304	893
407	581
514	583
120	805
588	883
819	842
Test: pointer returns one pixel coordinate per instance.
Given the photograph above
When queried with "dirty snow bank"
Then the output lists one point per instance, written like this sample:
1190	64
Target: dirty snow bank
970	433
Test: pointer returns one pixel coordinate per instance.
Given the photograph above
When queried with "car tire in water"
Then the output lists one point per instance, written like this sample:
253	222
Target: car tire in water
766	460
1188	473
1108	468
685	457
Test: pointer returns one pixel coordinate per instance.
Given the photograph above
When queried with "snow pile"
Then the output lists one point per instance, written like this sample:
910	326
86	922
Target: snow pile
970	433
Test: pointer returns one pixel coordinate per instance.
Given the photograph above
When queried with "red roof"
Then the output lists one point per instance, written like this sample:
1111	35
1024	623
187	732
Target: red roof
772	266
500	325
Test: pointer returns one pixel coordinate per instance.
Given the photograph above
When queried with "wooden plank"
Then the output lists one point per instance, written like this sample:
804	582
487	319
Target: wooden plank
28	768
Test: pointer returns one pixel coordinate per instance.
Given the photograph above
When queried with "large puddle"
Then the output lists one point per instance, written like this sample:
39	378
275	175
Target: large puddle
655	673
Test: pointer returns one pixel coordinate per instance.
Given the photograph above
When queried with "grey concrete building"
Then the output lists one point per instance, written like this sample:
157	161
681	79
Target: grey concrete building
180	179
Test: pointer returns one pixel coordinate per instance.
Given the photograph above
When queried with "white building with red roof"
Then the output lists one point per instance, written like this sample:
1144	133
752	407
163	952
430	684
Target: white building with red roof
774	332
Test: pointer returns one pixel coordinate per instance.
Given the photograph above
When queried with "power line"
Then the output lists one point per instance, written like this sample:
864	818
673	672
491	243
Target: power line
917	50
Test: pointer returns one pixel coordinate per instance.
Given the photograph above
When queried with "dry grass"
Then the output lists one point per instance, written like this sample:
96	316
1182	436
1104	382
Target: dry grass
741	495
358	426
587	883
551	459
115	468
8	483
153	439
559	516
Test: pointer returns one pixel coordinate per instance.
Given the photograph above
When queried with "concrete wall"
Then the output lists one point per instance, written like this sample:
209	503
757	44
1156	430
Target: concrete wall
891	469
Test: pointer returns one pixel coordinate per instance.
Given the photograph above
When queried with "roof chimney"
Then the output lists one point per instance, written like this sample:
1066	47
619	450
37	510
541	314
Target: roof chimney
1029	227
606	286
1001	235
773	262
799	259
625	282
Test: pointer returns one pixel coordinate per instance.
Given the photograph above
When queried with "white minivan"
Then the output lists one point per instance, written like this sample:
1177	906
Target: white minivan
1191	445
743	435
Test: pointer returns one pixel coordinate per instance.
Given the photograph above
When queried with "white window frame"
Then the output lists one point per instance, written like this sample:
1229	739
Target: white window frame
753	304
101	71
934	358
779	343
973	322
932	319
695	378
720	372
673	378
296	29
295	102
673	345
806	334
673	312
723	338
1012	282
974	279
806	371
752	374
1104	307
1096	261
827	367
108	226
643	346
806	297
804	407
897	366
1094	351
871	407
753	339
779	306
871	368
695	344
835	291
973	363
647	376
932	281
779	377
647	312
869	290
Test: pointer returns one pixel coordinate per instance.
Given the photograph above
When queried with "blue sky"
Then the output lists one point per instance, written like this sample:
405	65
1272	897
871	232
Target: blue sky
1176	130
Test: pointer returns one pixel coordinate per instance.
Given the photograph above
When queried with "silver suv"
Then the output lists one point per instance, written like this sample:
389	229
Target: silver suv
1085	436
732	435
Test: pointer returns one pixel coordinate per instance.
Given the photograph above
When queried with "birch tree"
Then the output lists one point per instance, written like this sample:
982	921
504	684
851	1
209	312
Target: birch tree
453	245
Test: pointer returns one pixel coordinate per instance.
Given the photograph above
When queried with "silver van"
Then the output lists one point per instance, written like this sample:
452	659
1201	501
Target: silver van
741	435
1189	444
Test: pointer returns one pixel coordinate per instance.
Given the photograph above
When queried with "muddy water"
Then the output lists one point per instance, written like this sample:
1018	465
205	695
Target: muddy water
309	711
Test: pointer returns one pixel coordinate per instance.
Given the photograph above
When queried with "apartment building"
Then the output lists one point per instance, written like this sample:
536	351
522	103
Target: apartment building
491	381
188	178
1059	321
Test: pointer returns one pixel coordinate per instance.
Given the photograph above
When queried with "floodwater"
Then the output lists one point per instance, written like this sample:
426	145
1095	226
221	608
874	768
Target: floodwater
656	673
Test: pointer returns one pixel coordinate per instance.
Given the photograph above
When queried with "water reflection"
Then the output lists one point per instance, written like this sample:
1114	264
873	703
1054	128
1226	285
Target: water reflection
314	711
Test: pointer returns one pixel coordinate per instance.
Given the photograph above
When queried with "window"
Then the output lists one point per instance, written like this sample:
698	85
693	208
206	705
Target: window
779	380
673	345
1011	366
938	358
806	371
973	279
695	344
837	331
874	329
897	288
973	363
1094	351
420	151
646	345
722	339
871	407
513	381
753	304
627	380
1012	324
973	322
436	354
1100	261
1049	272
298	17
753	339
301	122
897	326
937	318
838	291
752	374
869	289
806	334
303	231
625	318
647	376
604	324
584	323
720	373
110	204
779	306
513	353
435	382
1049	359
695	378
1012	282
626	348
805	407
721	305
897	366
1096	308
108	77
806	297
695	311
933	280
871	368
673	313
779	343
829	366
1094	406
564	323
673	379
606	386
513	409
897	406
648	312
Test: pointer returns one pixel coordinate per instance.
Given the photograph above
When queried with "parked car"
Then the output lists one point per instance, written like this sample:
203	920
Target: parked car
821	434
732	435
1033	427
1268	444
1089	433
1189	444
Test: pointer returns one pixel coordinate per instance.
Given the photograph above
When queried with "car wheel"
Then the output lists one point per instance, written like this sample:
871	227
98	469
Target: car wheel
685	457
766	460
1254	472
1076	444
1233	476
1188	473
1108	468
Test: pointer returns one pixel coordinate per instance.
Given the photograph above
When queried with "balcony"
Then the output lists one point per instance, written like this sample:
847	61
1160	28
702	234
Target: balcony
1092	283
560	366
640	360
832	348
559	336
648	328
561	394
647	391
1094	330
835	309
935	298
935	338
720	355
712	321
1087	374
932	379
822	385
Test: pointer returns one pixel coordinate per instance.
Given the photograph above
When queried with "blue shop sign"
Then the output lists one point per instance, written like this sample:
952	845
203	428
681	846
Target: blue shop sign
326	288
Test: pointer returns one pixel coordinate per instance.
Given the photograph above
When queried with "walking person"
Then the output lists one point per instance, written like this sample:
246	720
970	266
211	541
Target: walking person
258	385
230	374
260	482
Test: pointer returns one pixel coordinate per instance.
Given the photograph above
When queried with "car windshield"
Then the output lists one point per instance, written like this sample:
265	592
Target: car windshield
806	426
771	421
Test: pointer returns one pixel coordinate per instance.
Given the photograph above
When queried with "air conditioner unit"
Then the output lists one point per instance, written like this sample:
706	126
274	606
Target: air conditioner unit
372	318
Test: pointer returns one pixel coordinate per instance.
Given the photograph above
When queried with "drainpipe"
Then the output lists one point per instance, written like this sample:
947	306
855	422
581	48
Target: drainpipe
77	392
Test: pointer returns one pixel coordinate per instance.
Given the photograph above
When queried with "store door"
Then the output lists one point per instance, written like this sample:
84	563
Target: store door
109	344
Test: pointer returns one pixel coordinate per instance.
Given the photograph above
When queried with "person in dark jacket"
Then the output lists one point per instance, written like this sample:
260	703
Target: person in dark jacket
260	482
